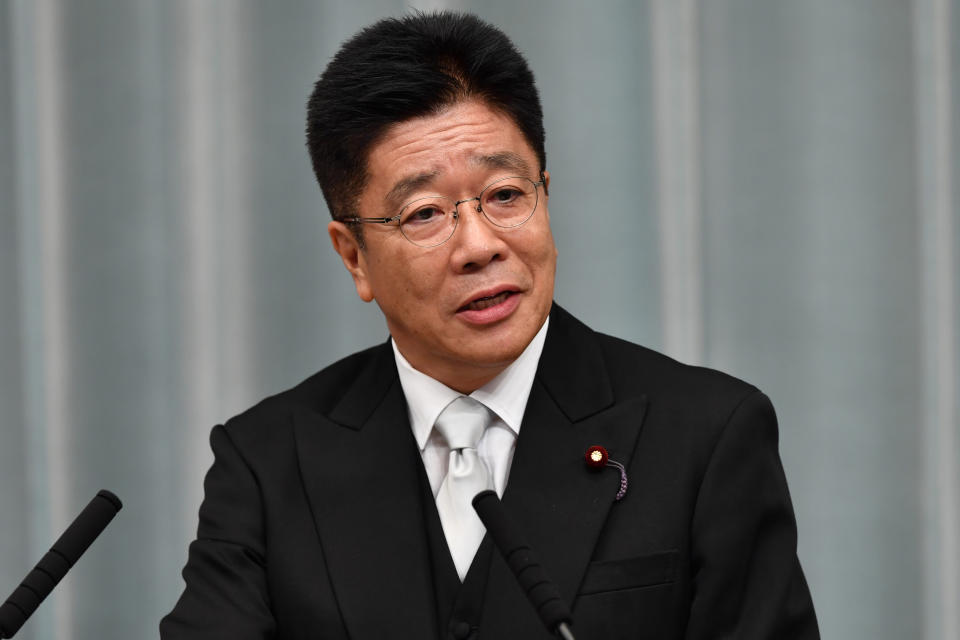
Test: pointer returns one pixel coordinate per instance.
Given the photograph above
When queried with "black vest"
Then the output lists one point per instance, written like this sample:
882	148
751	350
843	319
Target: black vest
458	605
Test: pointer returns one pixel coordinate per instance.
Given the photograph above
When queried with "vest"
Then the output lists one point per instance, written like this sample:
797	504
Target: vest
458	605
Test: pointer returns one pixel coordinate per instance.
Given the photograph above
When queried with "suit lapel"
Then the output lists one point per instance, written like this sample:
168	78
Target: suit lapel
558	502
360	470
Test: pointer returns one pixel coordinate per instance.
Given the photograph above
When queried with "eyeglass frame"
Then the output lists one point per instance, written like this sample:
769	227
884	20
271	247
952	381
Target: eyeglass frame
456	211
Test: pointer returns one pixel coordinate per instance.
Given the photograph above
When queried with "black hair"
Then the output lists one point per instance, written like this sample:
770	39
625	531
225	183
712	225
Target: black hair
403	68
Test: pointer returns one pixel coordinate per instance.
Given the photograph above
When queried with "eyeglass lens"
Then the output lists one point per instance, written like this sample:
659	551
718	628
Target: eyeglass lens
431	220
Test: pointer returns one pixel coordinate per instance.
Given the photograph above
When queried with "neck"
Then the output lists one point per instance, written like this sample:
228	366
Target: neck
464	379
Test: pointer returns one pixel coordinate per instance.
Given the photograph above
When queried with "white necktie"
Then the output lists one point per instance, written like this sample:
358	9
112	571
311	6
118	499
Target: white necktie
462	423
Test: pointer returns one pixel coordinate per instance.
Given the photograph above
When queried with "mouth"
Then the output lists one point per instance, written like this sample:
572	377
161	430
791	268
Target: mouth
487	301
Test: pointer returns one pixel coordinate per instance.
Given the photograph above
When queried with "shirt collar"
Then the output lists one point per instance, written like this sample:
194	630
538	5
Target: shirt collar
506	395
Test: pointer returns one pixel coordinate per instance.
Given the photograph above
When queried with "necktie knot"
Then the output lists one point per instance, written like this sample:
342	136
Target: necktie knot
463	422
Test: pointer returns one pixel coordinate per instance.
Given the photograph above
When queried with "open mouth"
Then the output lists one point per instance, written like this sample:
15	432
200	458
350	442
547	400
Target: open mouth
485	303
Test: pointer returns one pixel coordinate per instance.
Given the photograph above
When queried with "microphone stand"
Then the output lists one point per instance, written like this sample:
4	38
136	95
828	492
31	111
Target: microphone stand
507	538
57	561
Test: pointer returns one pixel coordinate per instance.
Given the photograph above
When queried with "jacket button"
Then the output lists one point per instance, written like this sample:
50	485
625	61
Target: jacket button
461	630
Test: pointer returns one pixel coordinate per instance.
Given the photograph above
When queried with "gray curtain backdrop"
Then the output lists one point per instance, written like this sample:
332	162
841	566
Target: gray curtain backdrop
766	187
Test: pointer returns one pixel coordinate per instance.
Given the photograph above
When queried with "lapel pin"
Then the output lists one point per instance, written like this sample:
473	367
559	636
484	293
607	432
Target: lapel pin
597	458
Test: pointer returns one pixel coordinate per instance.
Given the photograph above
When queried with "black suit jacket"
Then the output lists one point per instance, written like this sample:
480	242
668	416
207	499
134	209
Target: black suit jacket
312	521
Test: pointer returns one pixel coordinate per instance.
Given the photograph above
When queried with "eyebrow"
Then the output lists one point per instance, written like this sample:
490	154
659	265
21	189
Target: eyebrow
504	160
405	186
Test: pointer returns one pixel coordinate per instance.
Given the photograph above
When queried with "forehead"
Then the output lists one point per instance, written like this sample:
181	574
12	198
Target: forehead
464	140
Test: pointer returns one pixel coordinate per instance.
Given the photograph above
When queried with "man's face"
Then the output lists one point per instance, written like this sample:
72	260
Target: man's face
461	311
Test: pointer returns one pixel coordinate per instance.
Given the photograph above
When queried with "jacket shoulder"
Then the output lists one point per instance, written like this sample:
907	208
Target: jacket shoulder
637	369
319	393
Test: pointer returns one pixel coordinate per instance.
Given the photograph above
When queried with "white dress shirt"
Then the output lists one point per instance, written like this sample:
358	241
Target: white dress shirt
506	396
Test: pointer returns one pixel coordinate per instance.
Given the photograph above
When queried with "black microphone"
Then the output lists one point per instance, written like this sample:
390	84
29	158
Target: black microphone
543	594
54	565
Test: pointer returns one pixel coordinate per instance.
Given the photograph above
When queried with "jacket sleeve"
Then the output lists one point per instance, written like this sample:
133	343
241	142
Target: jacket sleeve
747	580
226	592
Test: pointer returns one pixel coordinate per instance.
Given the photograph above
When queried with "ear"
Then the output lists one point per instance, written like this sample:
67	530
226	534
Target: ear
546	184
354	258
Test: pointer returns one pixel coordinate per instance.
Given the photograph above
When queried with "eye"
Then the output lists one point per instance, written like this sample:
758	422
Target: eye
503	195
423	214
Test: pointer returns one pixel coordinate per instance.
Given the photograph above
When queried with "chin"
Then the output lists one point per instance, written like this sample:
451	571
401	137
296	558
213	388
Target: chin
497	352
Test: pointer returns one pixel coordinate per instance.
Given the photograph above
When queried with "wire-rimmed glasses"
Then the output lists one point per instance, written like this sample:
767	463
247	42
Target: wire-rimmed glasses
431	220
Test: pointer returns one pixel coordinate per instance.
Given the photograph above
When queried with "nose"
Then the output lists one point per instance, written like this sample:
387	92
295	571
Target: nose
476	243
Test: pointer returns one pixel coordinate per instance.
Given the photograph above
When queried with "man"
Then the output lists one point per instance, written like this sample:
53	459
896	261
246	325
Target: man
340	508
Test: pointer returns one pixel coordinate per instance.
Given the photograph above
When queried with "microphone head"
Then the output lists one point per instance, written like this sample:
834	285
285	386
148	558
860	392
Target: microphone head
482	496
111	497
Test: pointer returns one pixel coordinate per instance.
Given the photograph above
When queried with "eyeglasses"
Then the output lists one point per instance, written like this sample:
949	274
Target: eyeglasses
430	221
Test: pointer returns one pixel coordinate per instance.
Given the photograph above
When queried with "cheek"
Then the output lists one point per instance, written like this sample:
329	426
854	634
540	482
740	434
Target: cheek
542	255
407	280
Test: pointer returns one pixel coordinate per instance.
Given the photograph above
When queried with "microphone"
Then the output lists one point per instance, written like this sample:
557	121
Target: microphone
54	565
543	594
